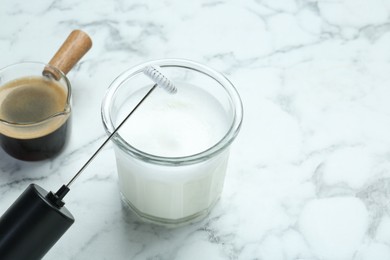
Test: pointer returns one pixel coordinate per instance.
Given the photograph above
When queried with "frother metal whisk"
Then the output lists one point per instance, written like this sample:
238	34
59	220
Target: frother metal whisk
153	72
38	219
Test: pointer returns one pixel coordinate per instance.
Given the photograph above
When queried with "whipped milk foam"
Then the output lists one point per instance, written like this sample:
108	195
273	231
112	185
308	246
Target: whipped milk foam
178	125
187	123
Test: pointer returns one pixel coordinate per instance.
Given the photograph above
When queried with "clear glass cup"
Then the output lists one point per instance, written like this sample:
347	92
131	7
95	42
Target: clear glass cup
34	111
172	189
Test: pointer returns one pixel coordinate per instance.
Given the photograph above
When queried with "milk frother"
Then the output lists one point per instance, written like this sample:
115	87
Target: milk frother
38	218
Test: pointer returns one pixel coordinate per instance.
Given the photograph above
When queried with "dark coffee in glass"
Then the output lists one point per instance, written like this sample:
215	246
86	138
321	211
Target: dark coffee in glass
34	117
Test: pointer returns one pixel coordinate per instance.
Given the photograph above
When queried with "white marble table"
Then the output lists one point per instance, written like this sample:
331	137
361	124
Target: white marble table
309	175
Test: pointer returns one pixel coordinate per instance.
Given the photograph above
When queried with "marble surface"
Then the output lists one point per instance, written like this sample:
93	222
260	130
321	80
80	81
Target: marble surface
309	174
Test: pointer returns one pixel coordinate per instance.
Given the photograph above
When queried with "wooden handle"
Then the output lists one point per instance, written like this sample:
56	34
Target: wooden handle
75	46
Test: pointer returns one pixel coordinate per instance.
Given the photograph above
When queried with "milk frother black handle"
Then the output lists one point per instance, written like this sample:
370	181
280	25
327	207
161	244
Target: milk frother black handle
32	225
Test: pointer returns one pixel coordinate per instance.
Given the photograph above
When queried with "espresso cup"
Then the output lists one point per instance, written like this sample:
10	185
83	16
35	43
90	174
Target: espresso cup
34	111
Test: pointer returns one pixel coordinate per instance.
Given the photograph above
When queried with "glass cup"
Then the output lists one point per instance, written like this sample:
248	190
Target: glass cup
34	111
172	153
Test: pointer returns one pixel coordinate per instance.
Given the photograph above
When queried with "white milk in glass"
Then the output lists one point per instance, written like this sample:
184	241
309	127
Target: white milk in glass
186	123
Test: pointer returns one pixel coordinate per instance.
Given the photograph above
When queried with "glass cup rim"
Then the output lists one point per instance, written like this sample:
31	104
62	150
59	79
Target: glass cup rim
220	146
66	109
